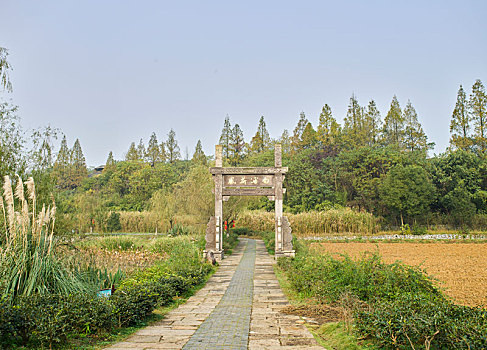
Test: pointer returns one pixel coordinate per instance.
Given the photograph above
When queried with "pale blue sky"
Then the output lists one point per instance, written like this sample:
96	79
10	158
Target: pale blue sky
112	72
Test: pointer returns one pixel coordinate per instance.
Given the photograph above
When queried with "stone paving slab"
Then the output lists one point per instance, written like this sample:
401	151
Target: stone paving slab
227	327
167	333
269	328
244	314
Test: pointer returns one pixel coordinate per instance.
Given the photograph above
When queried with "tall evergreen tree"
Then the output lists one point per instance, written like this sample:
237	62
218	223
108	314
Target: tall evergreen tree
4	70
162	152
478	111
394	124
372	123
353	127
199	155
296	140
132	154
110	163
78	165
153	153
414	136
308	139
141	150
460	122
237	145
328	131
173	153
261	140
285	141
62	165
226	137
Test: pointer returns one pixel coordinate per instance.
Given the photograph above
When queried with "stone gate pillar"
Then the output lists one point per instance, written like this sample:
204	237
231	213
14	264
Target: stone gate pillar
248	181
217	246
278	197
283	246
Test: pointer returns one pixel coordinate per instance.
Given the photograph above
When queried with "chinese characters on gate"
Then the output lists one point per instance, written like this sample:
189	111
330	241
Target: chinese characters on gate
248	180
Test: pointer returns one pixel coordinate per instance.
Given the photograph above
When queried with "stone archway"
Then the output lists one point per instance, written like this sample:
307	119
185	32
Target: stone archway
241	181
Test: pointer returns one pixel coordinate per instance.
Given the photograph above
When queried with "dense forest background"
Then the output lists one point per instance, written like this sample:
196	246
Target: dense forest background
370	163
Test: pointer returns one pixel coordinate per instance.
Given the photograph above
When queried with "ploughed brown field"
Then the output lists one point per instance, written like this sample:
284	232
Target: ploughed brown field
461	268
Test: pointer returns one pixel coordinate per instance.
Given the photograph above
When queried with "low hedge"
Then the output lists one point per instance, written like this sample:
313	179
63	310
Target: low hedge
52	319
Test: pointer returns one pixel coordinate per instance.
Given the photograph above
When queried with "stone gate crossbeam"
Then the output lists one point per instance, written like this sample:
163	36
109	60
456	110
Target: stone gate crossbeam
242	181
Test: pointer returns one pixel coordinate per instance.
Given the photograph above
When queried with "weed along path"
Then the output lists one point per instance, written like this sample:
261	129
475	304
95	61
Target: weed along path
239	308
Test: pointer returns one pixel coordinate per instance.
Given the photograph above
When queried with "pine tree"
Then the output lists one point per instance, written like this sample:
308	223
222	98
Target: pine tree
173	153
62	165
110	163
141	151
394	124
372	123
237	145
153	153
478	111
460	122
198	155
285	141
308	139
162	152
226	136
296	140
132	154
354	124
4	69
328	129
414	136
78	165
261	140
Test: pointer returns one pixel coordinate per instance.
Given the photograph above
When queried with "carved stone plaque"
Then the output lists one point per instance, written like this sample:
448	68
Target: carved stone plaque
248	180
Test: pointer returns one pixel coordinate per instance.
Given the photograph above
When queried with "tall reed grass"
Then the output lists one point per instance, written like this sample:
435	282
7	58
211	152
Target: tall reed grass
28	264
148	221
314	223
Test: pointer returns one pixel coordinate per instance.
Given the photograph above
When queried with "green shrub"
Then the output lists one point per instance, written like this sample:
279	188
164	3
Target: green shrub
135	302
179	230
113	222
269	239
100	278
395	305
369	278
242	231
50	319
138	295
418	230
421	321
118	243
230	241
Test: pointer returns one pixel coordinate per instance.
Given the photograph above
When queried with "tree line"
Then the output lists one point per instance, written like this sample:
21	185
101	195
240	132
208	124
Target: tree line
369	163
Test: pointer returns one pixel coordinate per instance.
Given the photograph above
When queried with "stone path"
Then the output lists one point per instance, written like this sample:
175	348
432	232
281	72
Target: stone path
230	312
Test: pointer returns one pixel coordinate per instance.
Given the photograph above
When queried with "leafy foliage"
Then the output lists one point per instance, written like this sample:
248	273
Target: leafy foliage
395	305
